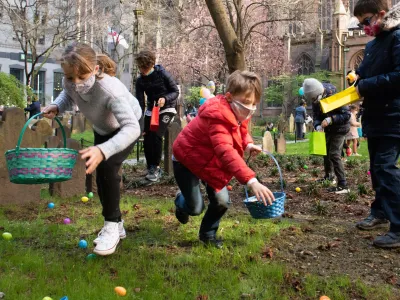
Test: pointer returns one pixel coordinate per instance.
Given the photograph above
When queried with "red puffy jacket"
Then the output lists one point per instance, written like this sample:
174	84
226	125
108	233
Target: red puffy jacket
212	145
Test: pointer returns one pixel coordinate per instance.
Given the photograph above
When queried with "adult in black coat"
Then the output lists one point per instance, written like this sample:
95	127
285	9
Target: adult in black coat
33	108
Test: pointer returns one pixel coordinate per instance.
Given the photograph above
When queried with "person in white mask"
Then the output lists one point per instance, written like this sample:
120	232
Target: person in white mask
104	100
211	148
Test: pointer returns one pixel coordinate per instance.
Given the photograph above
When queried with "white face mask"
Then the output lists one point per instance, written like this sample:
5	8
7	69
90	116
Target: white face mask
84	86
241	111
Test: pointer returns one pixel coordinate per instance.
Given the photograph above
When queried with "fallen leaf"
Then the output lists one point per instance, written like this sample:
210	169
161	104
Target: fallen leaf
137	290
267	252
392	279
157	211
243	296
202	297
136	206
125	212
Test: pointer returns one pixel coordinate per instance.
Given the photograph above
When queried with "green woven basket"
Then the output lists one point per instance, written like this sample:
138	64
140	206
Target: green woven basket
40	165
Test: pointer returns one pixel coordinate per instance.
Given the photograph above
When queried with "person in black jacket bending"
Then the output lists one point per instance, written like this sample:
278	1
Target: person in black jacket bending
336	125
379	84
33	107
161	90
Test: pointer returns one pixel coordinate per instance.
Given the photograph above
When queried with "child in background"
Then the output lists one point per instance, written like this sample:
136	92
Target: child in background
210	148
379	84
89	82
335	124
352	135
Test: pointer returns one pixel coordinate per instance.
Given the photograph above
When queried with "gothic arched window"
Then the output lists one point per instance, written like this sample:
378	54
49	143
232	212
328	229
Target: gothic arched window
305	65
357	59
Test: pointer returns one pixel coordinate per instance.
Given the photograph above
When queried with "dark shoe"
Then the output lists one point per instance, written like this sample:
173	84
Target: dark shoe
371	222
212	242
339	190
389	240
182	216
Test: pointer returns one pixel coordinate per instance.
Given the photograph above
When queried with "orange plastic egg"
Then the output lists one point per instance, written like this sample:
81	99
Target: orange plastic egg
229	187
324	298
352	77
120	291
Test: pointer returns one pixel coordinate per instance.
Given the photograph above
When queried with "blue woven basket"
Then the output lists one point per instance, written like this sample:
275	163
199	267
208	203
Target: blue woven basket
257	208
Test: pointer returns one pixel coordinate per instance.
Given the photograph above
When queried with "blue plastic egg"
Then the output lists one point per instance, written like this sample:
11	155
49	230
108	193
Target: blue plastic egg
82	244
50	205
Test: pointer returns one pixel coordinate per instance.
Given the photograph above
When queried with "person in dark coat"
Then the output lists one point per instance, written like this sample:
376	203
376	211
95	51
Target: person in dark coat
33	108
336	125
300	119
379	83
160	89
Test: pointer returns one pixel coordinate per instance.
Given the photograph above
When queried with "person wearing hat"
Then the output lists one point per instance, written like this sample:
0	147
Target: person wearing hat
335	124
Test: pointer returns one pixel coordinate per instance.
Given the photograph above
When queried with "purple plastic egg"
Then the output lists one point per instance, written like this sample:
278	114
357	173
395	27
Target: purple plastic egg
67	221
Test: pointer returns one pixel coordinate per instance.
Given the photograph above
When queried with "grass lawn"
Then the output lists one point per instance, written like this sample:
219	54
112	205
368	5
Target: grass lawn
160	259
302	149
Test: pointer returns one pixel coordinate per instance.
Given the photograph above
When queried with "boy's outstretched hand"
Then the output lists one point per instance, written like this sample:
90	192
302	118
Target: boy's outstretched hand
254	150
262	193
95	158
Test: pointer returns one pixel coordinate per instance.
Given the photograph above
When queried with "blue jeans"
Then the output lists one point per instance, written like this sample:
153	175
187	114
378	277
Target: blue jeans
384	154
191	201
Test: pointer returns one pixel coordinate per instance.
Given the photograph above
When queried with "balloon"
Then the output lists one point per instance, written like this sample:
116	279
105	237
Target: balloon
205	93
202	101
301	91
211	86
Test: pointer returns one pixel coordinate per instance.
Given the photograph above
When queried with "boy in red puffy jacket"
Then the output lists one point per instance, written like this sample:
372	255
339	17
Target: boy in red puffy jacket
210	148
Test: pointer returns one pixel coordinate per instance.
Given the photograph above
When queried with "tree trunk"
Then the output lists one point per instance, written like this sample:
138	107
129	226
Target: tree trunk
233	47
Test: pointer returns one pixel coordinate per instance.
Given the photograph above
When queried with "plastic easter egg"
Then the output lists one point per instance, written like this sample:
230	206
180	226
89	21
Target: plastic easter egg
229	187
369	172
90	195
301	91
82	244
50	205
47	298
64	298
120	291
305	167
91	256
324	298
205	93
7	236
67	221
85	199
298	189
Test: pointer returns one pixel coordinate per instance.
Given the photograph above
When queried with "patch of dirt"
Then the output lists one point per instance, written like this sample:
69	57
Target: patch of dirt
26	212
323	240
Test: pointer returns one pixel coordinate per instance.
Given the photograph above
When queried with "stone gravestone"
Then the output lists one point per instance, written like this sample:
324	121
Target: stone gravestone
281	144
60	135
172	132
78	123
291	123
268	143
77	184
10	127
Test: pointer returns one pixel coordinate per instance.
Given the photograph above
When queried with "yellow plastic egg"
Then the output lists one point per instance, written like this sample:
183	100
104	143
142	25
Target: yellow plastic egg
120	291
298	189
85	199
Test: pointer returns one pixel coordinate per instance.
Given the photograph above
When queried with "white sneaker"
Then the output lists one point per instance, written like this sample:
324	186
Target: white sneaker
109	239
121	230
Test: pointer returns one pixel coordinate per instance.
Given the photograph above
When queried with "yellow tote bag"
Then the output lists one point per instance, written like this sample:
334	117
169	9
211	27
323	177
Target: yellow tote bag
317	143
343	98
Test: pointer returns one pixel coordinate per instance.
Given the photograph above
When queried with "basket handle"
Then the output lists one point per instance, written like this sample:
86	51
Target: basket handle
277	165
21	135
